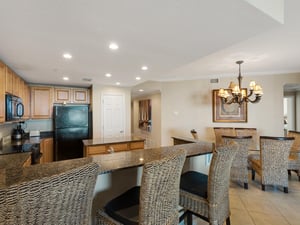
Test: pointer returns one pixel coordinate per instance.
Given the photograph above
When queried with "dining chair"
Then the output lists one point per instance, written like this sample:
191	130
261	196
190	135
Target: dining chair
246	131
239	167
294	157
207	196
155	201
272	165
65	197
219	131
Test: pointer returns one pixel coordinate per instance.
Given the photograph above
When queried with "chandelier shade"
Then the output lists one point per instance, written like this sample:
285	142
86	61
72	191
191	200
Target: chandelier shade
236	94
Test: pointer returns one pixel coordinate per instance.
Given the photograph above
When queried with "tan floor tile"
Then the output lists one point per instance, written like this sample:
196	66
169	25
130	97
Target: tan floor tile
240	217
265	219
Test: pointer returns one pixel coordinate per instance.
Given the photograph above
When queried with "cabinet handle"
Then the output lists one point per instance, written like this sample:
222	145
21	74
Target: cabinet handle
110	149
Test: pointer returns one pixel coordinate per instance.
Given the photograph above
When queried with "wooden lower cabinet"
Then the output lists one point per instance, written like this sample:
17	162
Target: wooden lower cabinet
27	162
110	148
46	148
2	92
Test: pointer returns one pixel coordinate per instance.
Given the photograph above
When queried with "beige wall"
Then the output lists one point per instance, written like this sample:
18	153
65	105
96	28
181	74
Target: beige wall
98	91
153	138
188	104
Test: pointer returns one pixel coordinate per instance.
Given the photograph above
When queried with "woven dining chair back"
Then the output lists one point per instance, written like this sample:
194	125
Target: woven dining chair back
273	163
219	131
63	198
294	157
239	167
158	196
241	131
211	202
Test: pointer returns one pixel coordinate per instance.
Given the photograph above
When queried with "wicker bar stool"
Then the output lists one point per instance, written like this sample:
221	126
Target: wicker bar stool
272	165
62	198
155	201
207	196
239	167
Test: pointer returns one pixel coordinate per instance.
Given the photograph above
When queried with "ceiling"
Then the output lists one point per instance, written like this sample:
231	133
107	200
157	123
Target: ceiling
176	39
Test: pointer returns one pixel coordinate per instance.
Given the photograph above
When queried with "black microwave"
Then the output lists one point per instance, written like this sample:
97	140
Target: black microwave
14	108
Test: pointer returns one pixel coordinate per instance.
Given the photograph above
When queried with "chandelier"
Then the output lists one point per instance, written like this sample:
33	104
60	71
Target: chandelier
236	94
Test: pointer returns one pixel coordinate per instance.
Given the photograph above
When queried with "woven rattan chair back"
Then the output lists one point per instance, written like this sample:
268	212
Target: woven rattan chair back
159	195
294	158
218	183
296	135
63	198
219	131
239	167
274	153
239	131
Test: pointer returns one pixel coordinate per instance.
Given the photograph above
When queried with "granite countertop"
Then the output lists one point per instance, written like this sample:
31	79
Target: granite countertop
115	140
127	159
12	170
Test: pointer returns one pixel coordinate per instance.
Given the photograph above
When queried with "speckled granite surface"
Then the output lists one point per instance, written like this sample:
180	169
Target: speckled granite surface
11	165
127	159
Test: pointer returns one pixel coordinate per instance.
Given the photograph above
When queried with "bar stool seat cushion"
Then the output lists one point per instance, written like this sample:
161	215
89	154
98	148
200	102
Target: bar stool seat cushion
194	182
125	208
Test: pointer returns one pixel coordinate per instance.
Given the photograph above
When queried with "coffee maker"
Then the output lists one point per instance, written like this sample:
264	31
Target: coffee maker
18	133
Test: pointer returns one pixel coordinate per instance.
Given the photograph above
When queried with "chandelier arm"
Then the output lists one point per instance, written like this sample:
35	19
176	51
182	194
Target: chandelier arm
256	100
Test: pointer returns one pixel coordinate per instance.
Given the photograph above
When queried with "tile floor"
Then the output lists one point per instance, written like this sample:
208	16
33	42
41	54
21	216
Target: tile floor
257	207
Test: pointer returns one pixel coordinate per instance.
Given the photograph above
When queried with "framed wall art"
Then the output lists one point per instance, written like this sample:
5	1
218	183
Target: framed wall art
228	113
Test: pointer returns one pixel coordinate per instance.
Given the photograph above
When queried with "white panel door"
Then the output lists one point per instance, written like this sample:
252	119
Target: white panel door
113	115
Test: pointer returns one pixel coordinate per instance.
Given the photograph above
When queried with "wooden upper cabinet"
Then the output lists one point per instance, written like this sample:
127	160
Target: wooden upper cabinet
71	95
81	95
2	92
9	80
62	95
16	85
41	102
26	101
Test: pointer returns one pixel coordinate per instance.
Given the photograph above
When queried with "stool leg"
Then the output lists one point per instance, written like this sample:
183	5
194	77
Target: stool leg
228	221
189	218
263	187
253	174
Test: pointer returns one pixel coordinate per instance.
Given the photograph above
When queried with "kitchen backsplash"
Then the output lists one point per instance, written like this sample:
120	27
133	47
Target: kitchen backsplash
41	125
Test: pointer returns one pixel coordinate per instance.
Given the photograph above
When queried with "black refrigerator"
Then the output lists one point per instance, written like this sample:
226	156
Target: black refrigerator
72	124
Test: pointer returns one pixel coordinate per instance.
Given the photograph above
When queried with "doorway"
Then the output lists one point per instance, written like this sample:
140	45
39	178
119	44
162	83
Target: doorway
291	104
113	111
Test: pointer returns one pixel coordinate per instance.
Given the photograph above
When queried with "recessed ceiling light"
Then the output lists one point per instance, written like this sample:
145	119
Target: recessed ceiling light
108	75
67	56
113	46
65	78
144	68
118	83
138	78
141	90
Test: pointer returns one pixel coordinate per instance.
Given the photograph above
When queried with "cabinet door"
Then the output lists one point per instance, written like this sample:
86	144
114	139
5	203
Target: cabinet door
9	81
26	101
136	145
46	149
41	102
16	85
62	95
80	96
2	92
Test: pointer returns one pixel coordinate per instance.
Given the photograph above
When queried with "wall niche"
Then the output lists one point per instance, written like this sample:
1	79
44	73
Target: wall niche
145	122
